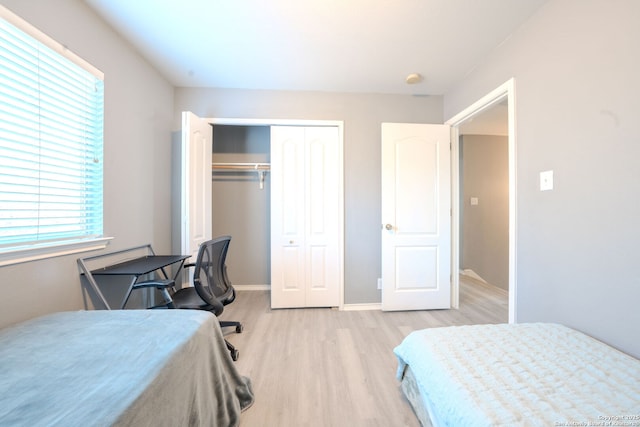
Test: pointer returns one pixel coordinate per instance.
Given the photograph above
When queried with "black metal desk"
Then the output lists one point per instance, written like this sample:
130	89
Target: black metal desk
135	268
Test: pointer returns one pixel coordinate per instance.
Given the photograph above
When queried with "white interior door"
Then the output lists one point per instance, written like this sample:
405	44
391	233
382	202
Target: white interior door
197	148
416	216
305	217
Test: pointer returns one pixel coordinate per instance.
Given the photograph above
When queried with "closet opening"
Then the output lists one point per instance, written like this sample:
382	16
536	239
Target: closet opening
241	204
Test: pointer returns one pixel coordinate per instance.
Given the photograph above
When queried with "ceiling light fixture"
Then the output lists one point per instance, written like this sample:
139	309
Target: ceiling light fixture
413	78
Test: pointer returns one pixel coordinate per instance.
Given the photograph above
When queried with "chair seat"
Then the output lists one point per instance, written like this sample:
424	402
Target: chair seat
188	298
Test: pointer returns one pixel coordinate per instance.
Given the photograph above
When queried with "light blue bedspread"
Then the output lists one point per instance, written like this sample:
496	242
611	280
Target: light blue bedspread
123	367
521	375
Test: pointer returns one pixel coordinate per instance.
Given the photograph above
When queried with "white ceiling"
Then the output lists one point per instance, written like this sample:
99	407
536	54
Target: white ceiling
316	45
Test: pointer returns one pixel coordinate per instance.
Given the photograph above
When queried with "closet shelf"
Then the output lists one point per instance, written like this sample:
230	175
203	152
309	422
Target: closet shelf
260	168
241	166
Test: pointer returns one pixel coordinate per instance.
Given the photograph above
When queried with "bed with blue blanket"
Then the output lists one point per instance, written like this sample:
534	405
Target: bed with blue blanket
531	374
119	368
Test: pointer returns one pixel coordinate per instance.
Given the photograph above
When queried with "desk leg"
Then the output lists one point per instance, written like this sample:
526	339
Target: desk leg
167	297
126	297
93	283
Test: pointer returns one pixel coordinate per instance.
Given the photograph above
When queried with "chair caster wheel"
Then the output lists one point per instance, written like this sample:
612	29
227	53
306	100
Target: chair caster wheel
239	329
235	354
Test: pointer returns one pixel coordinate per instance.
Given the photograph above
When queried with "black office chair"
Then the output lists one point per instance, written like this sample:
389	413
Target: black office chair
211	289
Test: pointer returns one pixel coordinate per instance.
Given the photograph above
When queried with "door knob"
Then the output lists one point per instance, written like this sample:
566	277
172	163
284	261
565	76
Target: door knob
388	227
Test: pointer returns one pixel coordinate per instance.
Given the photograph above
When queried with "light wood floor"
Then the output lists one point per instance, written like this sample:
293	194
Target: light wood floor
324	367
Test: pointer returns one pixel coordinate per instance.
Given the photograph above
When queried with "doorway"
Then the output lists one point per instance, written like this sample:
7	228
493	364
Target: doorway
241	202
502	98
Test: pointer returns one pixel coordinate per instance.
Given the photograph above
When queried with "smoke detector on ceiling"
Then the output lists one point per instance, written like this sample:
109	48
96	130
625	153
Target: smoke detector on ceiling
413	78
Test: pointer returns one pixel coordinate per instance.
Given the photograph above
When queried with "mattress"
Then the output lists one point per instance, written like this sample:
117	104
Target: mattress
119	368
520	375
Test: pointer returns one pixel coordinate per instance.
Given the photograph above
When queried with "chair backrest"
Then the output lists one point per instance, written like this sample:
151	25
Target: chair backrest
210	274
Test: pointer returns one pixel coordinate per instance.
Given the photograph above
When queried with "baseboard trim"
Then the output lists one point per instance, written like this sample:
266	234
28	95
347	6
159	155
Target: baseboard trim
345	307
361	307
252	287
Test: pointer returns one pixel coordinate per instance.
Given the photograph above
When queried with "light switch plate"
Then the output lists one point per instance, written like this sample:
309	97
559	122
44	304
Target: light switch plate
473	201
546	180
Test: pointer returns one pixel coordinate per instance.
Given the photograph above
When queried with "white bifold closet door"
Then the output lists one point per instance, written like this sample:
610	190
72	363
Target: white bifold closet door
305	216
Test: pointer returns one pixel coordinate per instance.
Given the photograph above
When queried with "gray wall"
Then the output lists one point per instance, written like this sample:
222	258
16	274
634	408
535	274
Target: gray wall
137	172
240	208
575	65
577	104
484	229
362	116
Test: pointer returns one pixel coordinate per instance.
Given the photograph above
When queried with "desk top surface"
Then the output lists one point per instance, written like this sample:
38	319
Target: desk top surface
141	265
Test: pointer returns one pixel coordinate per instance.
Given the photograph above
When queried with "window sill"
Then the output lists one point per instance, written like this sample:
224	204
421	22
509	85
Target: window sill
21	255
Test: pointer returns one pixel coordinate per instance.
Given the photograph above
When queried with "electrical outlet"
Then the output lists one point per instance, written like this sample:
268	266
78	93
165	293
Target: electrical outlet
379	283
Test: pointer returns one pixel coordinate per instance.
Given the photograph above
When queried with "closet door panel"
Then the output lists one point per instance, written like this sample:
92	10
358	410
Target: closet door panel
323	215
318	267
292	278
288	284
292	196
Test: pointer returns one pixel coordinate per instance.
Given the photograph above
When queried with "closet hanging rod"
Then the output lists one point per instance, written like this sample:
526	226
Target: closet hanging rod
260	168
241	166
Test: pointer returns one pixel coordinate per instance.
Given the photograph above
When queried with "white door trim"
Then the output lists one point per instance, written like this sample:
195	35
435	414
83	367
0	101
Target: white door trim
293	122
504	91
273	122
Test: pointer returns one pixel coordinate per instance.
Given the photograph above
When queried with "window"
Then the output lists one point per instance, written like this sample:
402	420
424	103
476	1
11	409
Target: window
51	133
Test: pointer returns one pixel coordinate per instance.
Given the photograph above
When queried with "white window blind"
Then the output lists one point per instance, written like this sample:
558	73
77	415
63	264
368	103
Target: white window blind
51	137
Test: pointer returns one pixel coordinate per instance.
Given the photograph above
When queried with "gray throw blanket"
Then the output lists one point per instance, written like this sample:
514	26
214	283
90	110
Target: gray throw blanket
124	368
